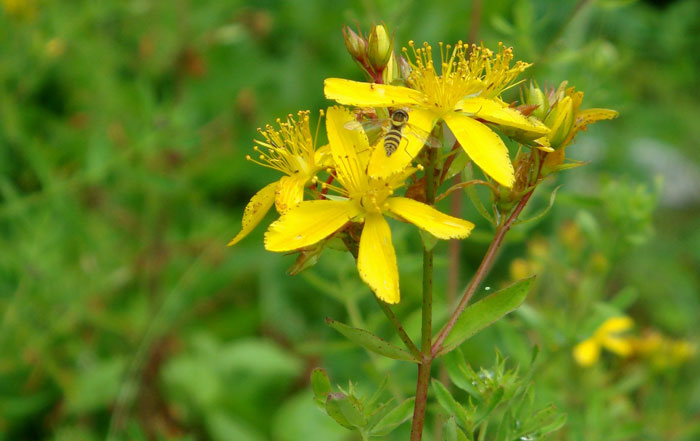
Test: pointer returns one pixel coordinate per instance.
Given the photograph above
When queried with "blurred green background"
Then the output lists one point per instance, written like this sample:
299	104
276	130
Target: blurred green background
123	130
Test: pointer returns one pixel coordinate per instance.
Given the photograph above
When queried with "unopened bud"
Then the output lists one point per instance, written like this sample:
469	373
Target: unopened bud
391	73
379	47
560	120
355	44
534	96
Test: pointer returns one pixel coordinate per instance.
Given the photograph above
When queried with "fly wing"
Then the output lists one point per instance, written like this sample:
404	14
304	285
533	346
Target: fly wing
366	125
420	134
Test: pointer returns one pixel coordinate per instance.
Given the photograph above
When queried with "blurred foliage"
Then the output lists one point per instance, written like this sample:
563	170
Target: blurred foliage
123	128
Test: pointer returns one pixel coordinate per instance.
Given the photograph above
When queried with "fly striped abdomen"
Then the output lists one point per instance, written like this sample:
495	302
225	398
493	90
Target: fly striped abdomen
392	139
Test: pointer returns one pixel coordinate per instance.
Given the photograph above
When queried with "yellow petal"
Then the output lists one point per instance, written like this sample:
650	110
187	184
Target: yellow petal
256	209
413	137
429	219
589	116
290	192
499	113
587	352
308	223
376	261
483	146
354	93
615	325
345	144
621	346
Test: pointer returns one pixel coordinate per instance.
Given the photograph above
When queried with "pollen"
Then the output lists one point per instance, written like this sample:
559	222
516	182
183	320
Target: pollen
465	71
290	148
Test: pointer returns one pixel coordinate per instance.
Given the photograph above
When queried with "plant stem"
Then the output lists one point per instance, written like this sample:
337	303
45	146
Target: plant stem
427	314
481	272
399	329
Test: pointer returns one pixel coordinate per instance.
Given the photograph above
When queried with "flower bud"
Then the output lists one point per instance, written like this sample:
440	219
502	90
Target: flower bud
534	96
355	44
380	47
560	120
391	73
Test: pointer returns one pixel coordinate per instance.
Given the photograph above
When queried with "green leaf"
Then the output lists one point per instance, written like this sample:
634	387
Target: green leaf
297	419
394	418
486	311
461	374
485	411
321	385
543	213
345	410
429	241
451	405
468	175
370	341
461	160
542	422
451	432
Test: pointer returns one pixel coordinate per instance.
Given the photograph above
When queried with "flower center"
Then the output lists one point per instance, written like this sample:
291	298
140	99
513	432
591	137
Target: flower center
466	71
290	149
372	198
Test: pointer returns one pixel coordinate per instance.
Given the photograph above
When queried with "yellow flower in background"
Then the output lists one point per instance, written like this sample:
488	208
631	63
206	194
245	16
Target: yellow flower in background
292	151
663	352
606	336
465	95
20	8
362	199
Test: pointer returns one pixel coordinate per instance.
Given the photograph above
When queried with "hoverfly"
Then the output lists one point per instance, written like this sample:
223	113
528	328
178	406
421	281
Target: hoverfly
393	129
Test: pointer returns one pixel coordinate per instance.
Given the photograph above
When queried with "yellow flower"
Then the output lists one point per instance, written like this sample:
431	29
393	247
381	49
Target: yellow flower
587	352
363	199
464	95
290	150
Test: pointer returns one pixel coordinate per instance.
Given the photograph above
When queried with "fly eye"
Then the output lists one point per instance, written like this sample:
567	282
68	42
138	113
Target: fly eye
399	116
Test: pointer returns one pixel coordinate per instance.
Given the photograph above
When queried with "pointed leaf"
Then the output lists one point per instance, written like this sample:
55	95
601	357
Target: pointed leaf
544	212
461	160
394	418
334	411
451	405
486	311
370	341
451	432
468	175
461	374
321	385
346	410
485	411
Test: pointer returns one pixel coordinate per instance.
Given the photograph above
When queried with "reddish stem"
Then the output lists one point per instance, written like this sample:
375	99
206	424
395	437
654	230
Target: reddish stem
481	272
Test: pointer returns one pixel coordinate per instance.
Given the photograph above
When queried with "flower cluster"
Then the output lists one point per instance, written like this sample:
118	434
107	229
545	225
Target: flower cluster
393	139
